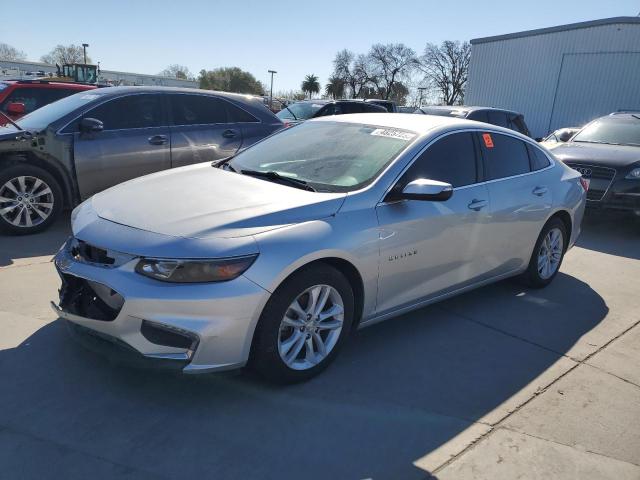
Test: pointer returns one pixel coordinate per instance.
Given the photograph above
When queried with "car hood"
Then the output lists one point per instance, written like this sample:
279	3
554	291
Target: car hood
200	201
614	156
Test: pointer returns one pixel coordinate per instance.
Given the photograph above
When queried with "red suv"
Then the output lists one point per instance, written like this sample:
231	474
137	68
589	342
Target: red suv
19	97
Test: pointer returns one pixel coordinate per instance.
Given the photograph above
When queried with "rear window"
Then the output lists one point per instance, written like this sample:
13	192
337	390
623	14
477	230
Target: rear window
445	112
299	111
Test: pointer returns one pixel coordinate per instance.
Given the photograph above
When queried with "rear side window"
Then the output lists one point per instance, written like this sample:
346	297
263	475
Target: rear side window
504	156
451	159
516	122
351	107
132	111
197	110
538	159
498	118
372	108
238	115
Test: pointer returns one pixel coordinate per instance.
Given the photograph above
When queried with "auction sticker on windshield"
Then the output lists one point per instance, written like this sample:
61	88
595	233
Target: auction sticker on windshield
392	133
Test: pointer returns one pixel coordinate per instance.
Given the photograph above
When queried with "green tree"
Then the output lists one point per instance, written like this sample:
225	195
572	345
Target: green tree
310	85
230	79
335	87
62	54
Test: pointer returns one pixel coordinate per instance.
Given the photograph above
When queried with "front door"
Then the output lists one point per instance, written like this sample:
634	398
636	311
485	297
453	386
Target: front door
134	142
430	247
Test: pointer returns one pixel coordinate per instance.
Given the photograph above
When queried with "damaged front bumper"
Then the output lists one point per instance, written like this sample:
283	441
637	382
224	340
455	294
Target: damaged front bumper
195	327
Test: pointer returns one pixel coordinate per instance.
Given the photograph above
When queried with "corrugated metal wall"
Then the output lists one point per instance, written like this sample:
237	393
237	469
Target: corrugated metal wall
524	74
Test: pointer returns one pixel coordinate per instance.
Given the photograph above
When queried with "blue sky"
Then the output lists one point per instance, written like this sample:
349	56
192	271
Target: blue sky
294	38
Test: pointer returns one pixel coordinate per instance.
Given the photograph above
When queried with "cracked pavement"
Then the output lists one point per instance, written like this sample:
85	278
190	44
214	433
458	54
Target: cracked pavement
501	382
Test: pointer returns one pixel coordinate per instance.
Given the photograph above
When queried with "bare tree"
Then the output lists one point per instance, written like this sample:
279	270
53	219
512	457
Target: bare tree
62	54
447	68
7	52
389	64
177	71
353	70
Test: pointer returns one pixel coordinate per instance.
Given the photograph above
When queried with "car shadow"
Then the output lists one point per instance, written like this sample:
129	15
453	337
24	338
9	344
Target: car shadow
611	233
16	247
398	391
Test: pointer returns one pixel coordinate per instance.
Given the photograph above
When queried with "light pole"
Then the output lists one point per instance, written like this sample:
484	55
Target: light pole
271	90
84	51
421	89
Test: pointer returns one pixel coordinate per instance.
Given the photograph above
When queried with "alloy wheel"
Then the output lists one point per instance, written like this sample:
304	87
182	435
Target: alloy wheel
550	253
25	201
311	327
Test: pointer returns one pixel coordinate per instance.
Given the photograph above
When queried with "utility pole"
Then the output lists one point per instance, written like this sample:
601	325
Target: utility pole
271	90
84	51
421	89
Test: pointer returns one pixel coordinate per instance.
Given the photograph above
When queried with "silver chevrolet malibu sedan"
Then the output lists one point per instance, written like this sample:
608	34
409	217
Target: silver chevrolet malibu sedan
272	257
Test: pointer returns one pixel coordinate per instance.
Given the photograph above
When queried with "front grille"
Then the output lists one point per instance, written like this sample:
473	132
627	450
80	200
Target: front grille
89	299
600	178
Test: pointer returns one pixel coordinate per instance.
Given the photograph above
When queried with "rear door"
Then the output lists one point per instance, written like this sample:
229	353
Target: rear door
201	130
520	197
134	142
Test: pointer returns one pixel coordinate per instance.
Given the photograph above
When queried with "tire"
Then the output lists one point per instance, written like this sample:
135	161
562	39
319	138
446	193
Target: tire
273	335
536	277
22	212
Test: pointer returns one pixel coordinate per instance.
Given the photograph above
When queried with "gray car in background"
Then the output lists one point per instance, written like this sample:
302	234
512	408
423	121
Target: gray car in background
71	149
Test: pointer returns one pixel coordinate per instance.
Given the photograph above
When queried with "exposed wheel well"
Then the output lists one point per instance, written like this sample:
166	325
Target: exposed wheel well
354	278
564	216
16	158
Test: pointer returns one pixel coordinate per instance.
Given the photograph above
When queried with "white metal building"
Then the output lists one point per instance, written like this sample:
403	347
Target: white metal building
20	69
561	76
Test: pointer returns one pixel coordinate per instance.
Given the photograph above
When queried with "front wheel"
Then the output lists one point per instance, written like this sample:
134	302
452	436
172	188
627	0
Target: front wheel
547	255
30	199
303	325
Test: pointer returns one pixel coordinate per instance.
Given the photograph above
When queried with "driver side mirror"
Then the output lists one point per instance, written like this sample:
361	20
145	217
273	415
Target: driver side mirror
88	125
16	108
426	190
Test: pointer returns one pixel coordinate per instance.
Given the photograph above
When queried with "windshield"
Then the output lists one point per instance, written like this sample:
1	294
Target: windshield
616	130
299	111
42	117
329	156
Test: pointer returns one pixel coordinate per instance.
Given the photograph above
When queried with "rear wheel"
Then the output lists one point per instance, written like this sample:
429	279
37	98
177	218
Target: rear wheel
30	199
303	325
547	255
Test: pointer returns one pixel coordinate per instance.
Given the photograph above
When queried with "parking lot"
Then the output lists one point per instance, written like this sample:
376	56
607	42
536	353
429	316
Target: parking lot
499	382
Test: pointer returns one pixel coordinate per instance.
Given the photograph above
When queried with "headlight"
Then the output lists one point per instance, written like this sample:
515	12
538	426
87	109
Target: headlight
194	271
634	174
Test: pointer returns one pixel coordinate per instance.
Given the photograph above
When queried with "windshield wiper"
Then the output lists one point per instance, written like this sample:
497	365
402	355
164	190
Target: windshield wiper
11	121
271	175
291	111
224	161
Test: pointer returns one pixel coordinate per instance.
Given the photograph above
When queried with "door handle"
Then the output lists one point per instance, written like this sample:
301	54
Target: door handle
477	204
229	134
158	140
540	191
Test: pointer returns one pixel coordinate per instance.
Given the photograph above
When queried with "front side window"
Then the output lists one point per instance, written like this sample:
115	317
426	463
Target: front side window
132	111
504	156
330	156
451	159
614	130
197	110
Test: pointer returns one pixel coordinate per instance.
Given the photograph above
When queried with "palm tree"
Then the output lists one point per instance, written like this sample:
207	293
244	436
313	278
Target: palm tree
311	85
335	87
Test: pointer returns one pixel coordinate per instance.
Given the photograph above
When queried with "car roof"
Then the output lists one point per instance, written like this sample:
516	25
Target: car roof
421	124
137	89
42	82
